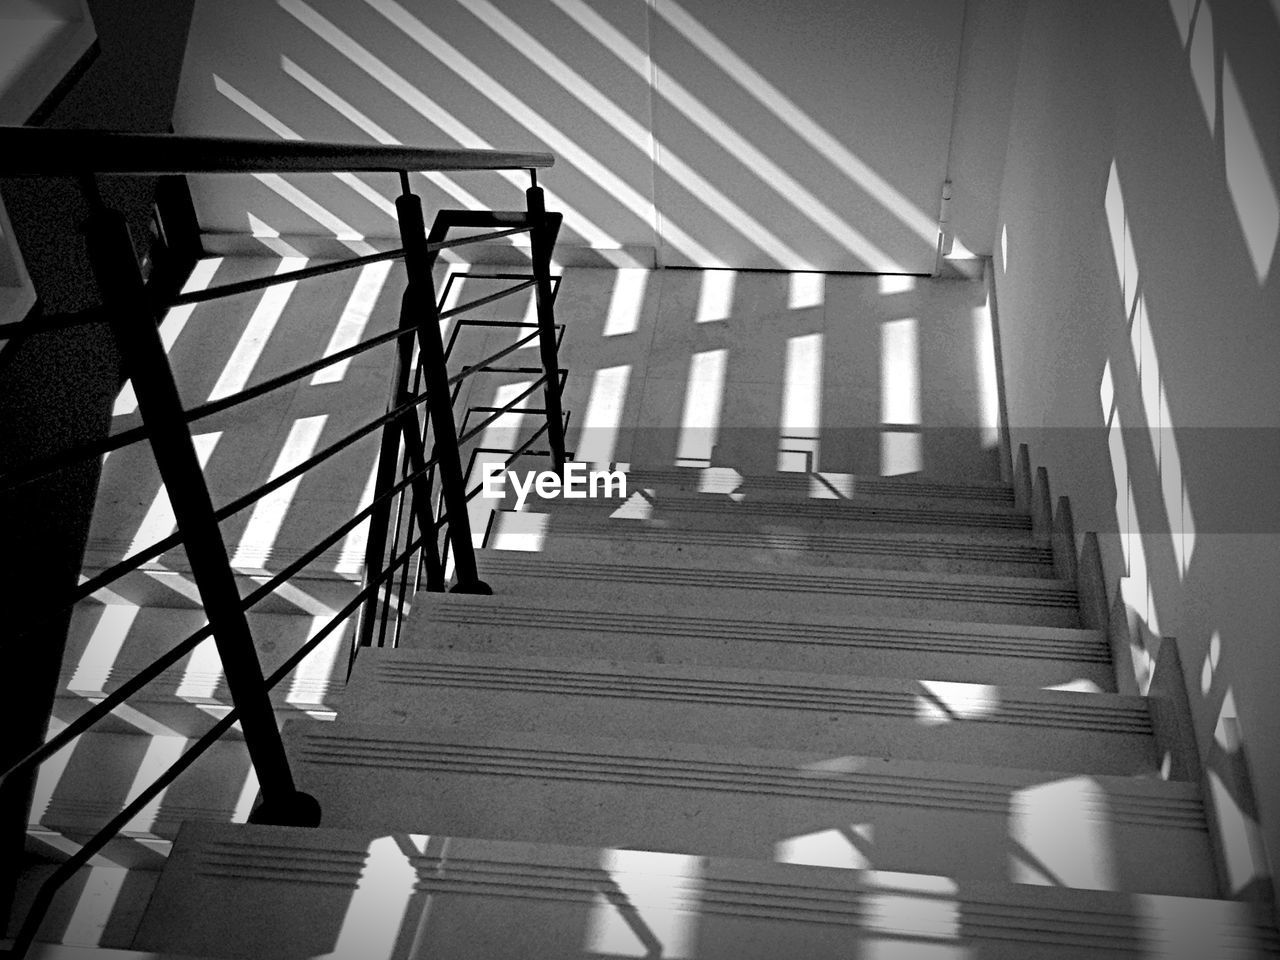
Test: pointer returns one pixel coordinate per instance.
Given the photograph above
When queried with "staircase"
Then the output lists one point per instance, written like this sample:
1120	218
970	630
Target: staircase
751	723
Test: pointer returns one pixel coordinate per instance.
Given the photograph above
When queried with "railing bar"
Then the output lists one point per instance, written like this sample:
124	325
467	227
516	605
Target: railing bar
342	614
476	238
488	420
44	897
472	368
41	468
489	298
146	674
109	702
519	451
346	527
292	276
235	506
297	373
43	152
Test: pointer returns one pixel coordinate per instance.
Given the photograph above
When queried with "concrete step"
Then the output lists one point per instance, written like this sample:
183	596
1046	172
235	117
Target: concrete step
557	574
616	538
913	719
697	511
713	635
968	822
109	643
799	486
278	893
83	787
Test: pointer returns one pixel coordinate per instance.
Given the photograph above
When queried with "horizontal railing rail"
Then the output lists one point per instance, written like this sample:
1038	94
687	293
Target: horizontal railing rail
419	473
46	152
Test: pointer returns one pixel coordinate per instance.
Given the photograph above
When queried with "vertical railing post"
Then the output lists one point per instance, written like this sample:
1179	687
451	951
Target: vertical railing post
133	322
542	237
419	306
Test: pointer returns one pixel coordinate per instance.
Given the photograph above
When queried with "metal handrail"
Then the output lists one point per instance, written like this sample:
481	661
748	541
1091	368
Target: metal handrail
46	152
86	154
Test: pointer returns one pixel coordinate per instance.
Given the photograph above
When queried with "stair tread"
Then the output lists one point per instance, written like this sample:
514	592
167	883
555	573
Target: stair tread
965	722
608	677
261	891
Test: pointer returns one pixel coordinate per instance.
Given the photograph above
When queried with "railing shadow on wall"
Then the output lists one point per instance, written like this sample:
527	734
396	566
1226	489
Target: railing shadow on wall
419	497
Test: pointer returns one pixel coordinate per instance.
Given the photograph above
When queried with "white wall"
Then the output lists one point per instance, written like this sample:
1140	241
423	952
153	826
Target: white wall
1140	300
697	132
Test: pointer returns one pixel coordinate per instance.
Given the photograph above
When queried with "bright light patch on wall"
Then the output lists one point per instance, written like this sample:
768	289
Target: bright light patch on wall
1203	66
625	301
354	318
447	123
1181	10
172	325
640	136
727	136
603	416
1121	241
269	237
565	147
1249	182
715	297
984	361
380	135
804	126
801	404
264	524
901	451
262	322
1106	392
806	290
841	848
896	283
1004	248
1066	840
1242	849
700	420
654	894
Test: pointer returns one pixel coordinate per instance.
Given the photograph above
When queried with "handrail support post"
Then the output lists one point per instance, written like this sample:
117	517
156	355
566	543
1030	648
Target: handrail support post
542	236
133	323
420	309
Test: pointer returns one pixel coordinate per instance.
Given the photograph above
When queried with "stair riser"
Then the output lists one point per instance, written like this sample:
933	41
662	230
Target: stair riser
685	589
764	517
955	832
694	716
641	543
806	488
885	659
